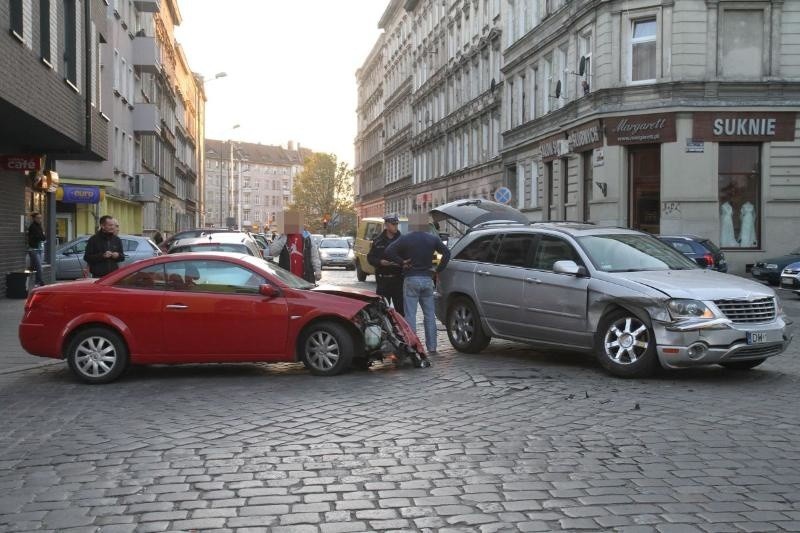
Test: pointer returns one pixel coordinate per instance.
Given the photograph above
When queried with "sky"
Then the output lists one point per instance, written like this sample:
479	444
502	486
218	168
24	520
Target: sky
290	67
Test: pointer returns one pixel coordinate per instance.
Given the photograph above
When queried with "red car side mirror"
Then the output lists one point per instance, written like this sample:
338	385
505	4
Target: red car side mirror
270	291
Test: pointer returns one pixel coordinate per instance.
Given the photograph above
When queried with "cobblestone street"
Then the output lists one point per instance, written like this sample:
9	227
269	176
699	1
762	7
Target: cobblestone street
508	440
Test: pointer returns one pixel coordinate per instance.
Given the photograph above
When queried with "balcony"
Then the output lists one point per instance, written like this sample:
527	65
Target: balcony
147	54
146	119
146	188
149	6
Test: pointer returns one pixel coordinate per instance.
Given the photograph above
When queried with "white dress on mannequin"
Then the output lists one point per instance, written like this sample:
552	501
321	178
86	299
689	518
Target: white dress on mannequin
726	236
747	231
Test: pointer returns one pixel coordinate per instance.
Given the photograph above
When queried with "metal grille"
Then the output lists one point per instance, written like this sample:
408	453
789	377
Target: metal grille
748	312
756	351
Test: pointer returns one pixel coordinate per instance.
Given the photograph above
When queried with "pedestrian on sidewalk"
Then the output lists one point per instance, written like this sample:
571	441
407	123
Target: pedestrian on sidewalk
388	275
36	240
104	249
415	251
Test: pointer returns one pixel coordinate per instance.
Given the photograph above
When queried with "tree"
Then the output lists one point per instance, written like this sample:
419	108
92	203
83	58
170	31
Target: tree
325	187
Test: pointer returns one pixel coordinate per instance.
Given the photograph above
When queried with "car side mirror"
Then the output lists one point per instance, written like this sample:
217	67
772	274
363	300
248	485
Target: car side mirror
571	268
270	291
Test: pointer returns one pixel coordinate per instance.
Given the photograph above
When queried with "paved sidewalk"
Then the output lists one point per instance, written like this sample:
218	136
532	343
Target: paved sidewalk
12	357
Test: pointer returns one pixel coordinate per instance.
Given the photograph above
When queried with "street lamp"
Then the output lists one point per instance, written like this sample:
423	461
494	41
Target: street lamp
231	177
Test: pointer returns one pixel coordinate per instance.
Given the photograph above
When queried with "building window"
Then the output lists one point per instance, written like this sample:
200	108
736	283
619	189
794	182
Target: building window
15	7
742	43
44	30
588	175
643	50
548	176
534	184
739	195
70	41
585	50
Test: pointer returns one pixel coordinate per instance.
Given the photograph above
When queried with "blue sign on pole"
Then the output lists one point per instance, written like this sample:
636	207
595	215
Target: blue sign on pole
502	195
76	194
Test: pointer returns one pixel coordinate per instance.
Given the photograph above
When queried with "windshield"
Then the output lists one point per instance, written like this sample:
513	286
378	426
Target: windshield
334	243
288	279
632	253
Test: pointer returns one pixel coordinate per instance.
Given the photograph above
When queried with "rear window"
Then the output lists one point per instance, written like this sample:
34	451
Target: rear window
212	247
710	246
682	247
482	249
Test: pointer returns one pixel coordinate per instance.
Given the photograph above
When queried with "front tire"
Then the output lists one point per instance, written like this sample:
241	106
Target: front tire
743	365
97	355
626	346
360	274
464	327
327	349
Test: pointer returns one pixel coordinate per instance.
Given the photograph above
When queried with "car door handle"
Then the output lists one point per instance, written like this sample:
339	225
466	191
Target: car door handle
483	273
533	280
177	306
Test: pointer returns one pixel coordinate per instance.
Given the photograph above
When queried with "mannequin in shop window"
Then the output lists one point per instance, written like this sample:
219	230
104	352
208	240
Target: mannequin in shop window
747	227
727	237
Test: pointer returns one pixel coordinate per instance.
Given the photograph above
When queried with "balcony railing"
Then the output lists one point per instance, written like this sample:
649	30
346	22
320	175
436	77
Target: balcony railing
146	54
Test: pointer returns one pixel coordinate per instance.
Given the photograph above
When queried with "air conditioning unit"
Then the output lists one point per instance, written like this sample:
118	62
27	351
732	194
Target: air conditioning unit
147	187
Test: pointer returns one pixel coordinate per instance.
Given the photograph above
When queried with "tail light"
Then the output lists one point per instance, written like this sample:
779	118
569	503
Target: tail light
709	260
31	301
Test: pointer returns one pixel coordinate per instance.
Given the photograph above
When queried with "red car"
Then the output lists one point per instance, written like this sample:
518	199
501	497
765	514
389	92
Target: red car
210	307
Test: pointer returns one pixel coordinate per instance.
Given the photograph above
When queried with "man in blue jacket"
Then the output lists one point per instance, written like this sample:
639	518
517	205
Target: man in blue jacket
415	251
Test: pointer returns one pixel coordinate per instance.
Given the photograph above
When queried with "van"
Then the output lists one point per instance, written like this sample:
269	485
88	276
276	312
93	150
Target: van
368	229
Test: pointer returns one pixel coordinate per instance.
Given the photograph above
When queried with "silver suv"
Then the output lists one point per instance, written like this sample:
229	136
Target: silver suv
622	294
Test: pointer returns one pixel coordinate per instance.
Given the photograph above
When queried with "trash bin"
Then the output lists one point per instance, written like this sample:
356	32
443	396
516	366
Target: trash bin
17	284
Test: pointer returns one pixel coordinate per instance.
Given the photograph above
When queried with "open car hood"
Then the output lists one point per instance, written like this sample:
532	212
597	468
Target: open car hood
472	212
347	292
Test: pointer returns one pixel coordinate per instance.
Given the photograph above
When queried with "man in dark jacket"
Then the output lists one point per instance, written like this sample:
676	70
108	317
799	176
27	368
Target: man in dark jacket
389	275
415	251
104	249
36	239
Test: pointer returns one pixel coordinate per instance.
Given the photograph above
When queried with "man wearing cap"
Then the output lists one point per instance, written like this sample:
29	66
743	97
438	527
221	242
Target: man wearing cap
388	274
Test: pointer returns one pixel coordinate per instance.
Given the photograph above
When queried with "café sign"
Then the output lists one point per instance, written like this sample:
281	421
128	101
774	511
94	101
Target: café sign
21	163
640	129
744	126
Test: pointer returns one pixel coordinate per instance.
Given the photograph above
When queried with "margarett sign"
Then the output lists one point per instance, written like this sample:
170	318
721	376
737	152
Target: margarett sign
640	129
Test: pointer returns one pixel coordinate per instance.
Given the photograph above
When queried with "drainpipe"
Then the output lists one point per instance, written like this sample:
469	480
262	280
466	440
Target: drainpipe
87	70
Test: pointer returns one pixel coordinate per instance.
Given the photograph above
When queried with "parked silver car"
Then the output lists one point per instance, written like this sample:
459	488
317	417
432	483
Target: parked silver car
237	242
337	252
622	294
69	257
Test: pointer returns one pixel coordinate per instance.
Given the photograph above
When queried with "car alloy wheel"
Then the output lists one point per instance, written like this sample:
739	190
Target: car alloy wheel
464	327
627	346
97	355
327	349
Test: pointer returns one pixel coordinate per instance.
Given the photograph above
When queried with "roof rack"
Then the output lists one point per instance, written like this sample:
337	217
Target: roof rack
488	223
563	222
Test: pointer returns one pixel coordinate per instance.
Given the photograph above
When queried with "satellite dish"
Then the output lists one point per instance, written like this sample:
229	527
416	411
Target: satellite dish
584	66
492	85
558	89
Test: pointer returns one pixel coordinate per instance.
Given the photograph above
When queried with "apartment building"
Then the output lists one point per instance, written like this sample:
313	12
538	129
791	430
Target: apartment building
669	117
369	179
153	106
248	184
50	108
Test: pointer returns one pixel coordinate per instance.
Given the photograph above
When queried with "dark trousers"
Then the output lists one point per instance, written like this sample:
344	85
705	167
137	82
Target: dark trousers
391	288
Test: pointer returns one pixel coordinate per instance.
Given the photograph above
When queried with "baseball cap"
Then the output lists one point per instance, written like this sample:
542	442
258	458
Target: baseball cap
391	219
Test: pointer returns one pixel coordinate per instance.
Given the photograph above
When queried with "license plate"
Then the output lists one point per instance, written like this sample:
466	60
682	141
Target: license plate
756	271
761	337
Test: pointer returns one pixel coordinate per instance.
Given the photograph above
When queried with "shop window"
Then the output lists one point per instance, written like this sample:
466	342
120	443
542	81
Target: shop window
643	50
739	195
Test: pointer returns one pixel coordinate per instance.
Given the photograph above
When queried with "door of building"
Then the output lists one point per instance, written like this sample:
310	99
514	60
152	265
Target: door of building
64	227
644	170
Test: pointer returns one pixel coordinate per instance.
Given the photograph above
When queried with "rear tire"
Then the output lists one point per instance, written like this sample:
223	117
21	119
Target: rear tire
743	365
464	328
360	274
626	346
97	355
326	349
